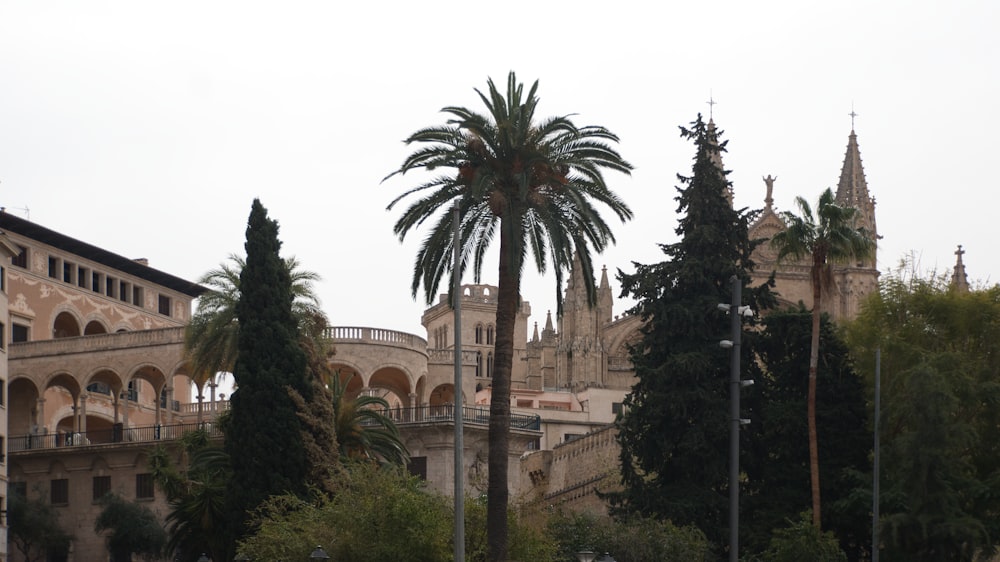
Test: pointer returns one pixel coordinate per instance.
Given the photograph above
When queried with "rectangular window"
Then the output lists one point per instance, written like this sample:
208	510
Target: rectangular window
124	291
137	296
3	451
418	467
3	336
3	279
60	491
82	277
102	486
164	305
567	437
3	385
19	333
144	486
616	408
69	273
21	260
111	287
96	282
54	267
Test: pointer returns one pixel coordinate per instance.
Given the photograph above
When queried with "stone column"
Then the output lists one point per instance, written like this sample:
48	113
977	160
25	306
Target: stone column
83	413
39	425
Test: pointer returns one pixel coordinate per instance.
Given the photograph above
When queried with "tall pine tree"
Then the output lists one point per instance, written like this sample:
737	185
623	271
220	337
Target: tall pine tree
264	435
674	434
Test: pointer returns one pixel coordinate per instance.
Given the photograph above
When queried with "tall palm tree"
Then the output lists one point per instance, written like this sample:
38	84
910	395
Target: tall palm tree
533	184
210	337
831	236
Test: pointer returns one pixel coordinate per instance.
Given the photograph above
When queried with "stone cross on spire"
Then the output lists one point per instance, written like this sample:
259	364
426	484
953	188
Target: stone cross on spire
711	104
959	280
853	115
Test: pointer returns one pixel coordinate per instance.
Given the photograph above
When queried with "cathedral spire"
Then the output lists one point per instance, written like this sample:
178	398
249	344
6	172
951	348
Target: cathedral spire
852	190
715	154
959	280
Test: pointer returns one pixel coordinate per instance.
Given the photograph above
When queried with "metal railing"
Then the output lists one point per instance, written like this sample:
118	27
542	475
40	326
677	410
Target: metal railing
115	434
475	415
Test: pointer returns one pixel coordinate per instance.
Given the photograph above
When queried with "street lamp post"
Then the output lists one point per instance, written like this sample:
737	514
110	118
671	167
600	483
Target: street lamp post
736	311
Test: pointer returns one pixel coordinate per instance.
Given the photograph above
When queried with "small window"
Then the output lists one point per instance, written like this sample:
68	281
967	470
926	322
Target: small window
489	365
418	467
3	451
21	259
3	279
489	335
54	267
111	287
82	277
102	486
616	408
69	273
479	333
60	491
3	336
164	305
19	333
479	364
144	486
137	296
567	437
96	282
124	290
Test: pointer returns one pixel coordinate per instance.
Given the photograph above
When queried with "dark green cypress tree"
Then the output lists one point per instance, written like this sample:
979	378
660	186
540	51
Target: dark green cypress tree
264	433
674	434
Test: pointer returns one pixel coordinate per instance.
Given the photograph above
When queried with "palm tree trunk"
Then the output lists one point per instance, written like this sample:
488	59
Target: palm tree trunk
508	297
811	400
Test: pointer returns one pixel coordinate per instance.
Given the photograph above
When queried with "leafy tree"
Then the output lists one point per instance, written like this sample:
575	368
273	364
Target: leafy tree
634	539
777	462
803	541
196	522
34	528
131	529
264	434
940	420
675	429
363	430
531	182
830	237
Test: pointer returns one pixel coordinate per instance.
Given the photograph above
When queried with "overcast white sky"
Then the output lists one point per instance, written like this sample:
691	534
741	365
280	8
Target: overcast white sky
148	128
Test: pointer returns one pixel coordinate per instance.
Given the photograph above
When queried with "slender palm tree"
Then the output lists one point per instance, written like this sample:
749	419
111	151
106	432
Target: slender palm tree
533	184
210	337
831	236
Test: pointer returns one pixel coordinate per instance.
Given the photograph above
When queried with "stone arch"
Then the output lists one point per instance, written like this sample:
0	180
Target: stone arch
94	327
396	382
150	373
479	333
442	394
66	324
22	401
105	376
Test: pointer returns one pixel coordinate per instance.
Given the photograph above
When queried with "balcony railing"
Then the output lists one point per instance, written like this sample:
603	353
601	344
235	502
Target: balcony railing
115	434
474	415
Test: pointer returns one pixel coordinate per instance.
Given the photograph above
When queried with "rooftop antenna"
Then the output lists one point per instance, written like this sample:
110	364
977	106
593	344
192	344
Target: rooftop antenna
25	209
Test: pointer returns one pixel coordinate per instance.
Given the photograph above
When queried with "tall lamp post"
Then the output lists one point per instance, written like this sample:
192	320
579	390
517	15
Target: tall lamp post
736	311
